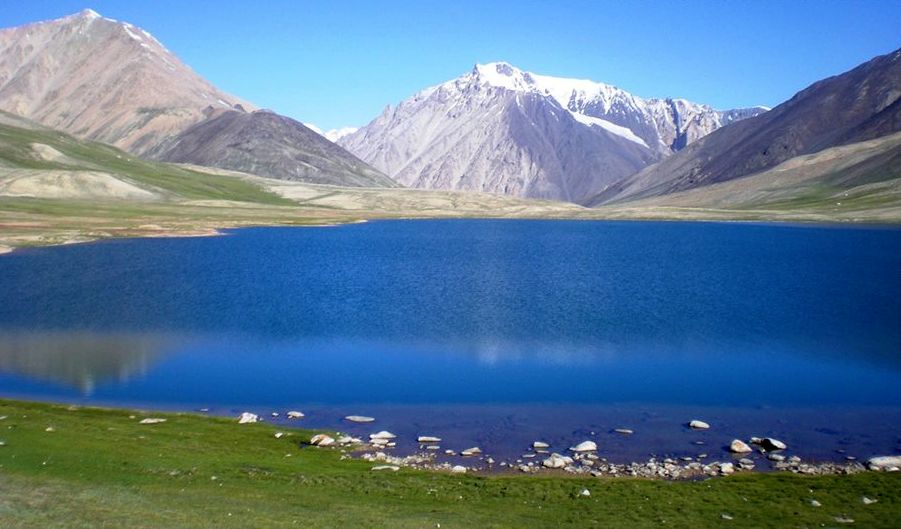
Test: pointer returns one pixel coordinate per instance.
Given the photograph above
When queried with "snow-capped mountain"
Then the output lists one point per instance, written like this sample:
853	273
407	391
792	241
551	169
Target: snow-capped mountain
332	135
102	79
503	130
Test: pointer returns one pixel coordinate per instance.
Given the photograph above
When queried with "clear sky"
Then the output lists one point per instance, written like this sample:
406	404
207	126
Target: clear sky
337	63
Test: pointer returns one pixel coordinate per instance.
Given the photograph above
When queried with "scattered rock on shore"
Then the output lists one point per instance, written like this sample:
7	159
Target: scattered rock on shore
768	443
557	461
393	468
458	469
540	445
322	440
428	439
474	451
739	447
151	420
247	417
886	463
585	446
383	435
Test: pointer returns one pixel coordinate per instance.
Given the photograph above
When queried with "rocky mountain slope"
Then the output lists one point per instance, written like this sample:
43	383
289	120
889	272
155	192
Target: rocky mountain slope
267	144
102	80
502	130
856	106
109	81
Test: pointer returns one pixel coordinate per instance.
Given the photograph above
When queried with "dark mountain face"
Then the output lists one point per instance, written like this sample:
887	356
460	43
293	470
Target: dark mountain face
858	105
267	144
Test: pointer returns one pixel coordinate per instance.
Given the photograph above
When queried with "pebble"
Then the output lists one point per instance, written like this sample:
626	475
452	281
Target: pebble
279	435
867	501
359	418
151	420
50	429
393	468
844	519
815	503
585	493
698	425
725	516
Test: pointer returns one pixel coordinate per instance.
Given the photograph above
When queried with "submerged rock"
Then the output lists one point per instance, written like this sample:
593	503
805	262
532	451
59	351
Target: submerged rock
698	425
739	447
247	417
474	451
359	418
624	431
295	415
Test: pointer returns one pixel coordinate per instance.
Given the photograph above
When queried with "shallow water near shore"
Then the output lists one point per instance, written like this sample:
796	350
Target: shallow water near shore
490	333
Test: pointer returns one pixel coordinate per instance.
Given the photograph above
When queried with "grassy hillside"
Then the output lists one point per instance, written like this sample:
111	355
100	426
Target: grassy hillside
861	181
18	150
82	467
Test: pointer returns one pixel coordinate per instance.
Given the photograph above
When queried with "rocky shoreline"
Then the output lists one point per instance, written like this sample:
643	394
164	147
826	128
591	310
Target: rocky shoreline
762	454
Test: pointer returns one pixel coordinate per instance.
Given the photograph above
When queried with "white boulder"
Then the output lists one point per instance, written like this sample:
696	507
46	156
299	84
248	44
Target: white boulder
247	417
886	463
698	425
739	447
585	446
322	440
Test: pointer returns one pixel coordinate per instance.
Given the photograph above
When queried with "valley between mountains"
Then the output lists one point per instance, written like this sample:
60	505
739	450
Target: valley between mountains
104	132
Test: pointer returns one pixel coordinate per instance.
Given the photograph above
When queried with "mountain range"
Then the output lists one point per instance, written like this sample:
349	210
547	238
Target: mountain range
503	130
495	129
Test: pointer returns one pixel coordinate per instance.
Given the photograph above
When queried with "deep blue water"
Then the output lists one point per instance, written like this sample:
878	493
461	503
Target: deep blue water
471	314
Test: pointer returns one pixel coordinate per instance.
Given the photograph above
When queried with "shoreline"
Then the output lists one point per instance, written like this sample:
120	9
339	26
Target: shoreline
218	229
380	451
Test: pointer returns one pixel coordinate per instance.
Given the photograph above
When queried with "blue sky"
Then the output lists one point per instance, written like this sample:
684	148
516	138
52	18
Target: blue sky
339	63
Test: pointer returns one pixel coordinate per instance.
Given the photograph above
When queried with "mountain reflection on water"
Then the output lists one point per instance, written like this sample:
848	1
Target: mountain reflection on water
79	359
